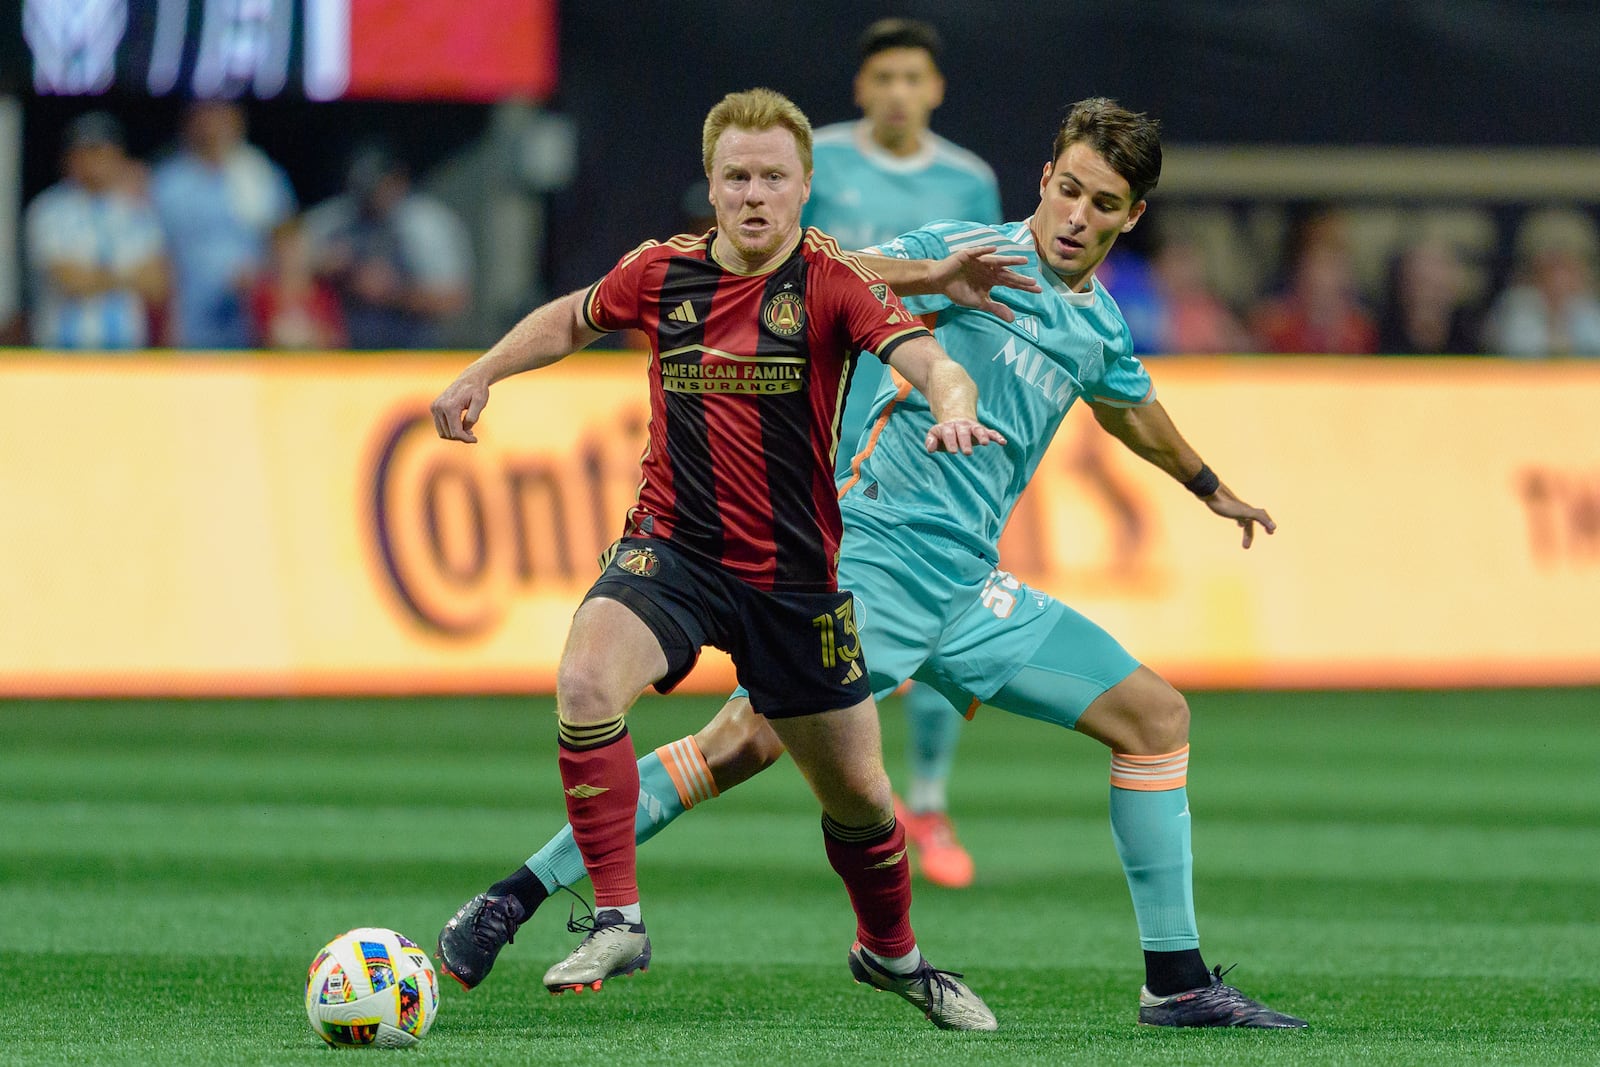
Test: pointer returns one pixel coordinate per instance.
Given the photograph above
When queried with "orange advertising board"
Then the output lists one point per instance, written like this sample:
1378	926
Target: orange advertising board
174	525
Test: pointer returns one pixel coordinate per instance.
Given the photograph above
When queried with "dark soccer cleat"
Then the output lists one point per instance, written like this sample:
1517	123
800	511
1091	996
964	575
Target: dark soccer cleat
941	995
1216	1004
614	947
474	936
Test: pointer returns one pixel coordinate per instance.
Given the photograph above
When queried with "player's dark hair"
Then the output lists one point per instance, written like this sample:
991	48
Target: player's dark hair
1130	141
899	33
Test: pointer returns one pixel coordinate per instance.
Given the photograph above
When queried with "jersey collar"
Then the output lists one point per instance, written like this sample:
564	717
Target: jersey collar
778	261
918	160
1085	299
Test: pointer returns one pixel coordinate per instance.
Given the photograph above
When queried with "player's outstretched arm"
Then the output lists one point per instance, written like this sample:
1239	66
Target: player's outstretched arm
952	396
546	335
965	277
1149	433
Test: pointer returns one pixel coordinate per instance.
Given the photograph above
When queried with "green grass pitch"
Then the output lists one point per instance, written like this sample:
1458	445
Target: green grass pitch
1417	874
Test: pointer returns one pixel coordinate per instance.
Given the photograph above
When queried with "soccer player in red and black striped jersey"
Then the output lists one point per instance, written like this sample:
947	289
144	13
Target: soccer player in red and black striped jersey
754	327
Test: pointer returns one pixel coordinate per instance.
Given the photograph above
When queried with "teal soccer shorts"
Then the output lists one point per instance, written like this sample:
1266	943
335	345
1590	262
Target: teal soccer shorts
930	608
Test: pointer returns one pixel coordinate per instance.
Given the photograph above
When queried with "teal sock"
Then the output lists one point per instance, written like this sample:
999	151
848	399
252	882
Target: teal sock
560	863
1151	829
935	729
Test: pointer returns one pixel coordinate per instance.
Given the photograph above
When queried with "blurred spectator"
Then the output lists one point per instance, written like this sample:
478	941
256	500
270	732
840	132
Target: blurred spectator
94	246
1168	301
1318	310
1425	313
290	307
218	198
400	260
1194	320
1553	308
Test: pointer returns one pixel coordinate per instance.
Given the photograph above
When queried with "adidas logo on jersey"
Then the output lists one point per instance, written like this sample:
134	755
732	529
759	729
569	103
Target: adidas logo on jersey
684	312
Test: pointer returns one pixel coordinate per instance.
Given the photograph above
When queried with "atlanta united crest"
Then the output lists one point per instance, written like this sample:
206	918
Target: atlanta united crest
641	561
784	315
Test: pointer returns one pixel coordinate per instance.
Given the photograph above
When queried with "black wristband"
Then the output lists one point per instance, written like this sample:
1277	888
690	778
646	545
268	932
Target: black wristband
1204	483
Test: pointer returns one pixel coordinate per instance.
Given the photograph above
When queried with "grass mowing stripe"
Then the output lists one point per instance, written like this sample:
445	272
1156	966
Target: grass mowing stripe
1411	871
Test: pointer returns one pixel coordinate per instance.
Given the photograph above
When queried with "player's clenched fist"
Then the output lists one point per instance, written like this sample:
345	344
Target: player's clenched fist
456	410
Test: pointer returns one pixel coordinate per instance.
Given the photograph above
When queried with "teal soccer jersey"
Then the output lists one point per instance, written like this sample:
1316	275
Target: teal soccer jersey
1063	345
861	195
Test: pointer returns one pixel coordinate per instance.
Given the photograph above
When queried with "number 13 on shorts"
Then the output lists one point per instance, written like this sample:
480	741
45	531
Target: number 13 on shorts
836	632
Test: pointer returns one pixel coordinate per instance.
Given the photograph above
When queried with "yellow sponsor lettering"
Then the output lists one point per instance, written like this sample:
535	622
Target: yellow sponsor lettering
772	371
730	385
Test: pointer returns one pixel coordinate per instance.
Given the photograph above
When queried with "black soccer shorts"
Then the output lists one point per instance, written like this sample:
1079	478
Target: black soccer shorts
796	653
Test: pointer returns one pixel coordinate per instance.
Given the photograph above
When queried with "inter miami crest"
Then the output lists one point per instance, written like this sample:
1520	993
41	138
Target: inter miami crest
784	315
641	561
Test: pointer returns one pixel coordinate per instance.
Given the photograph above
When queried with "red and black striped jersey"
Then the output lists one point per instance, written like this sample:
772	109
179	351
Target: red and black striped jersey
748	374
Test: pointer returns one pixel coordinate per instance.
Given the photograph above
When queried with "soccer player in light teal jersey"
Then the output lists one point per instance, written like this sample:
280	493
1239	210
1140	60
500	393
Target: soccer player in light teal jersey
919	552
875	177
1062	344
887	172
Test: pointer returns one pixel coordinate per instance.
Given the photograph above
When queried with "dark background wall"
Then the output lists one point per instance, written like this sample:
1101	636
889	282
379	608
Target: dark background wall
1437	73
638	77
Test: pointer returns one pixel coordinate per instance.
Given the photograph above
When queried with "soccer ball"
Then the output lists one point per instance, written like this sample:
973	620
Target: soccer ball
371	986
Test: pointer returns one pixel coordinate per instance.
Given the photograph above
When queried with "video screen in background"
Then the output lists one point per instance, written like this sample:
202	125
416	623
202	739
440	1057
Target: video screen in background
314	49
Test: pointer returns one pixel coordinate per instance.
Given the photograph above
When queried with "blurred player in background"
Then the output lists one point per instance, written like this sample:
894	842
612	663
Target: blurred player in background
881	175
920	551
734	539
887	172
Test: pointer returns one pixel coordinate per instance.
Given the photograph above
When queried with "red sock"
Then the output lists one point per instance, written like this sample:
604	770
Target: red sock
872	862
602	788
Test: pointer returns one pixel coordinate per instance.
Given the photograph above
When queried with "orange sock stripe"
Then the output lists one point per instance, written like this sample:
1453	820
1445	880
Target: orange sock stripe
686	766
1150	774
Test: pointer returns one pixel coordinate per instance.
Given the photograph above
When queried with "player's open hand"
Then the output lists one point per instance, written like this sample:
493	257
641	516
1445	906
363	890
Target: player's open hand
456	410
960	435
1224	503
967	276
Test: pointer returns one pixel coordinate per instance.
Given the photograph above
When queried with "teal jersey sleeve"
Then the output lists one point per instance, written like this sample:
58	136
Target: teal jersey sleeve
987	206
1122	380
929	242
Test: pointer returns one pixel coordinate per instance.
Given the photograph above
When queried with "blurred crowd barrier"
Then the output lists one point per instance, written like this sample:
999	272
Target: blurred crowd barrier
213	526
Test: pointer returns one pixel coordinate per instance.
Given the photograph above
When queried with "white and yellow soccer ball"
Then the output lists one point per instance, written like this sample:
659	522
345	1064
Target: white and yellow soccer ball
371	986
